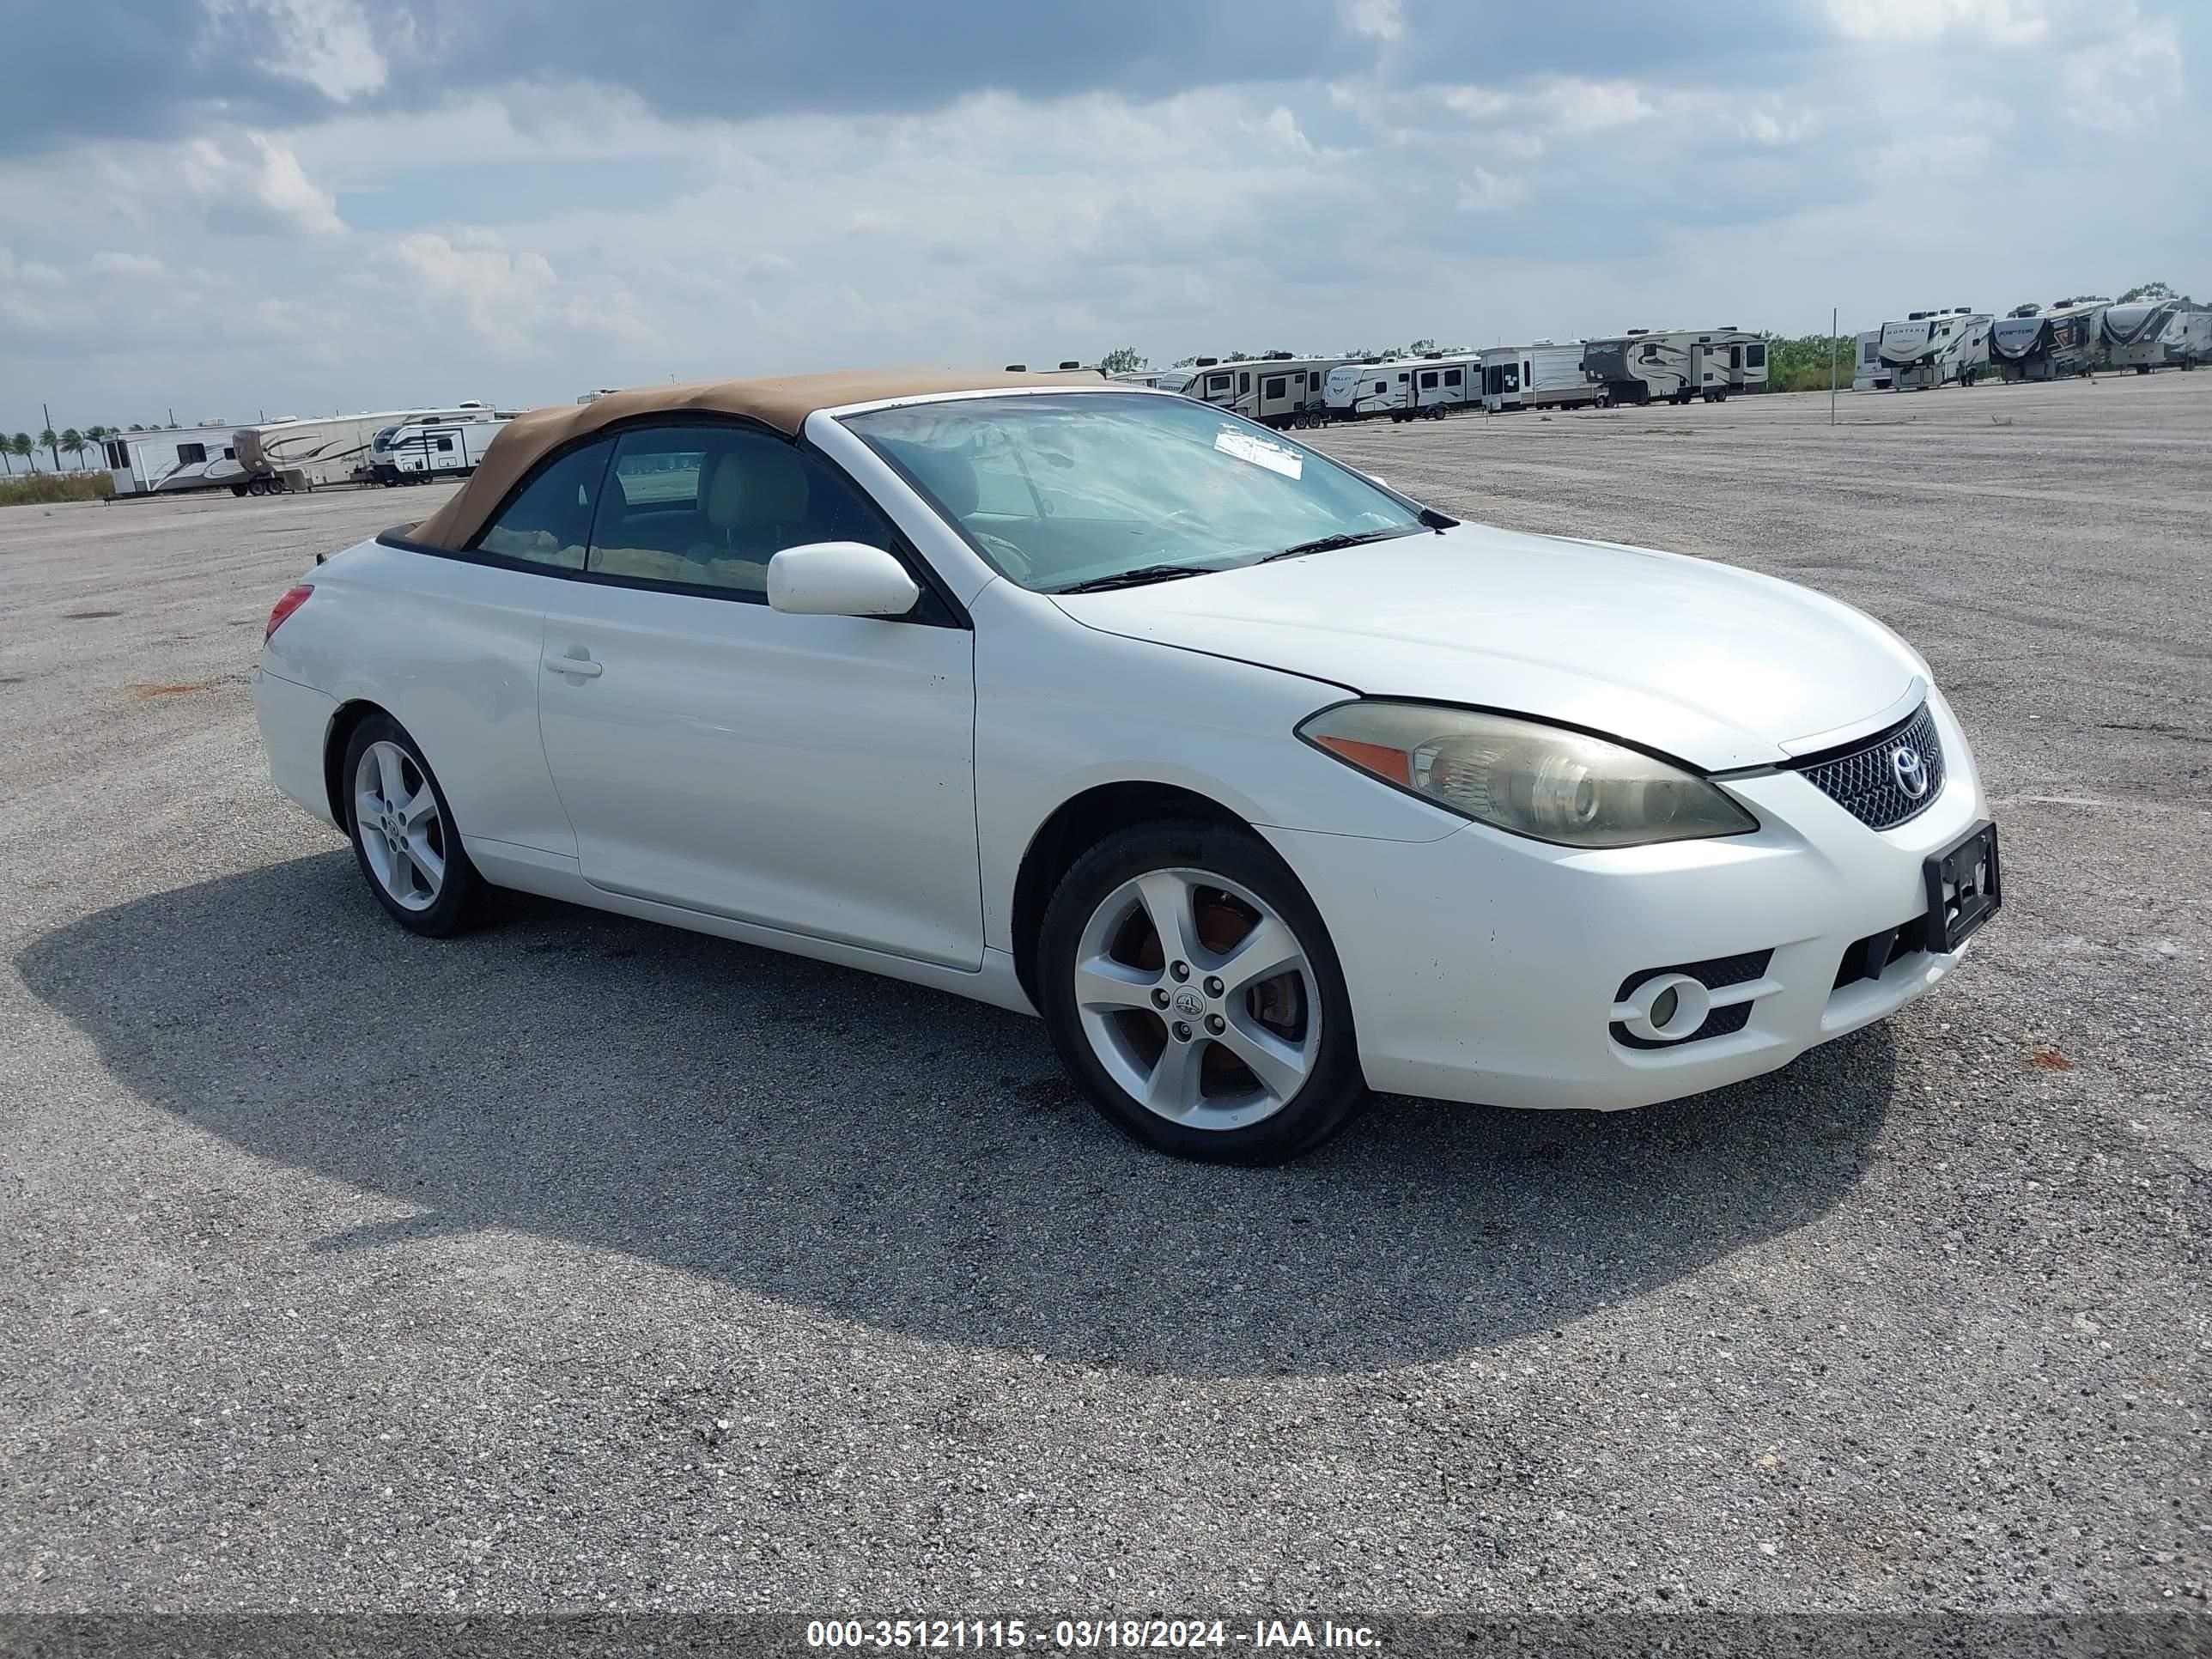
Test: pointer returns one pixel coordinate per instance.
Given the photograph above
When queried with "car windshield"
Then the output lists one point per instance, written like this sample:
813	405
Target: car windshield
1058	490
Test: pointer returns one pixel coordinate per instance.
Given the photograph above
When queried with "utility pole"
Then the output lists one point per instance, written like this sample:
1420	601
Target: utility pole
1834	312
48	416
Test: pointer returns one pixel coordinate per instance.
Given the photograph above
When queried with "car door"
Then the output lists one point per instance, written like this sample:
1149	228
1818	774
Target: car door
811	773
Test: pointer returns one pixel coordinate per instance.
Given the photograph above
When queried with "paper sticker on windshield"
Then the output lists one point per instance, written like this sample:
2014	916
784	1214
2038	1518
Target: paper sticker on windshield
1258	450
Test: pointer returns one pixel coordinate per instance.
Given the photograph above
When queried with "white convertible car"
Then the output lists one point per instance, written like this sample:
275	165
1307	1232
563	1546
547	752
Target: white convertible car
1263	784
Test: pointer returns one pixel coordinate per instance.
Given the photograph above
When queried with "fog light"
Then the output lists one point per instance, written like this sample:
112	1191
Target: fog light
1666	1007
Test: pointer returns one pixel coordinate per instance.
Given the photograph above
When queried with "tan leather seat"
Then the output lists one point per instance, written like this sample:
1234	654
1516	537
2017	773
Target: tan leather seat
755	504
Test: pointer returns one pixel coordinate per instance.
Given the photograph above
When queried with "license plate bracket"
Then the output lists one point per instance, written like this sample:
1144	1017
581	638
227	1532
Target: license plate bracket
1965	887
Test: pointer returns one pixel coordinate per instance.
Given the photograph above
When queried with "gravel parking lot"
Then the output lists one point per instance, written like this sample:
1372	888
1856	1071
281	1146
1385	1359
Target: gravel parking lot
579	1264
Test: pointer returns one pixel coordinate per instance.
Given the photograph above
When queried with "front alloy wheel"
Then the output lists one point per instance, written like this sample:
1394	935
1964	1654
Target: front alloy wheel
1191	988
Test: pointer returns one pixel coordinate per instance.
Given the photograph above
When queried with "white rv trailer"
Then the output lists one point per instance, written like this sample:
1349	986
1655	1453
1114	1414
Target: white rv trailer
1539	376
388	460
172	460
1343	386
1160	380
2188	336
2047	344
332	449
1868	372
1429	387
1677	365
1276	390
1931	348
424	452
2133	336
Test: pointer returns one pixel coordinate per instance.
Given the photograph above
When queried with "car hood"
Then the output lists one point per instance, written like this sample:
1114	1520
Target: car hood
1718	666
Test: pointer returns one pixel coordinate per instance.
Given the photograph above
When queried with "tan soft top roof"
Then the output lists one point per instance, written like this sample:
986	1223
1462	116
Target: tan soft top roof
783	403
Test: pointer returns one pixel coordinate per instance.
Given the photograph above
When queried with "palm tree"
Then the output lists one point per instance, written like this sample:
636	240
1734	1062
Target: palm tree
51	442
72	443
21	443
8	453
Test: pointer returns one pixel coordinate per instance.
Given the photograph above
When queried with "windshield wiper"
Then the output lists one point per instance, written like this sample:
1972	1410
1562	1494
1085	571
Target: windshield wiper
1142	576
1330	544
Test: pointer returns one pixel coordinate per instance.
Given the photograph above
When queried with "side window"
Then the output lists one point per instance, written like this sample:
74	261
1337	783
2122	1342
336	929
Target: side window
1754	355
1275	387
1401	380
709	507
187	454
1244	383
1451	377
551	521
1217	383
1428	379
444	445
1313	380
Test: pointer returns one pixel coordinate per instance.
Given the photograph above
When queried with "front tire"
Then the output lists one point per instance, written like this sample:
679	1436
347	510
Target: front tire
403	833
1190	988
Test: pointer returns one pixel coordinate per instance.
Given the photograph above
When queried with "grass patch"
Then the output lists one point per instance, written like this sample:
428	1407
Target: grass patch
43	488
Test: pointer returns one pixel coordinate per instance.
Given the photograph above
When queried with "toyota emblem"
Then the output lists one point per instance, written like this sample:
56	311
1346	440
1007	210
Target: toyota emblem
1911	771
1188	1001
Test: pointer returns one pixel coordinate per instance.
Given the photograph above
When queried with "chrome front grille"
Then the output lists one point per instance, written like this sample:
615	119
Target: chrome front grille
1871	783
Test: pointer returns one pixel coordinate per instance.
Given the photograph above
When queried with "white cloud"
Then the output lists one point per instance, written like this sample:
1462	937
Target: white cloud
1478	103
326	44
2005	22
1575	106
1484	192
29	273
1383	20
133	266
281	188
1777	131
2119	86
1282	127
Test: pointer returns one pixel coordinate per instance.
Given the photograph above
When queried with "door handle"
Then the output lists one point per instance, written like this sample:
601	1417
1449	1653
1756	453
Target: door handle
582	668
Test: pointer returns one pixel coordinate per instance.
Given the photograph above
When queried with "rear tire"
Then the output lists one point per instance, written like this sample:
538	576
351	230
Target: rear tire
403	833
1191	989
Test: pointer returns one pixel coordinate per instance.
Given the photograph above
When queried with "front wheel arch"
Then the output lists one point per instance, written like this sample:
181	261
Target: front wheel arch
1074	828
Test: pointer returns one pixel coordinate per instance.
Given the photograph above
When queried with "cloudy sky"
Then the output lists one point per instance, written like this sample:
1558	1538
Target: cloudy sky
228	208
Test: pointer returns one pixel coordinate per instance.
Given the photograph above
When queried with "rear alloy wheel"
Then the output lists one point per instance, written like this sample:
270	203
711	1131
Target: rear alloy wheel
1190	986
402	832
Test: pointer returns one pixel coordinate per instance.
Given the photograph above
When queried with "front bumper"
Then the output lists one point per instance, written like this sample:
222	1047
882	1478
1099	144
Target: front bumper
1484	967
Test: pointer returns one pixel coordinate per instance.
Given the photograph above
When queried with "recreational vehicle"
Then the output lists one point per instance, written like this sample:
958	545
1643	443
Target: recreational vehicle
1868	372
1539	376
2188	336
1677	365
422	452
171	461
332	449
1160	380
1430	385
2046	345
1343	386
1276	390
389	459
1931	348
2133	336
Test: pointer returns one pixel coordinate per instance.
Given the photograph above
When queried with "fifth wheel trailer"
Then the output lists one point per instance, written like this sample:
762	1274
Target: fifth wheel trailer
1870	372
2046	345
1539	376
2133	336
2189	337
1932	349
1677	365
171	461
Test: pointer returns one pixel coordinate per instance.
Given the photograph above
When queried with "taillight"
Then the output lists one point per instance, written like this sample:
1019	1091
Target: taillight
292	600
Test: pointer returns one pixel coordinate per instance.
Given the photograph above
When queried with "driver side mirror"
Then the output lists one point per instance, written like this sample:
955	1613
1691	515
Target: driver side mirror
840	579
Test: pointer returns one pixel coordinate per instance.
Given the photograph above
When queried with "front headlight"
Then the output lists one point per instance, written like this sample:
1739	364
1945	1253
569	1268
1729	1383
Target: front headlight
1535	781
